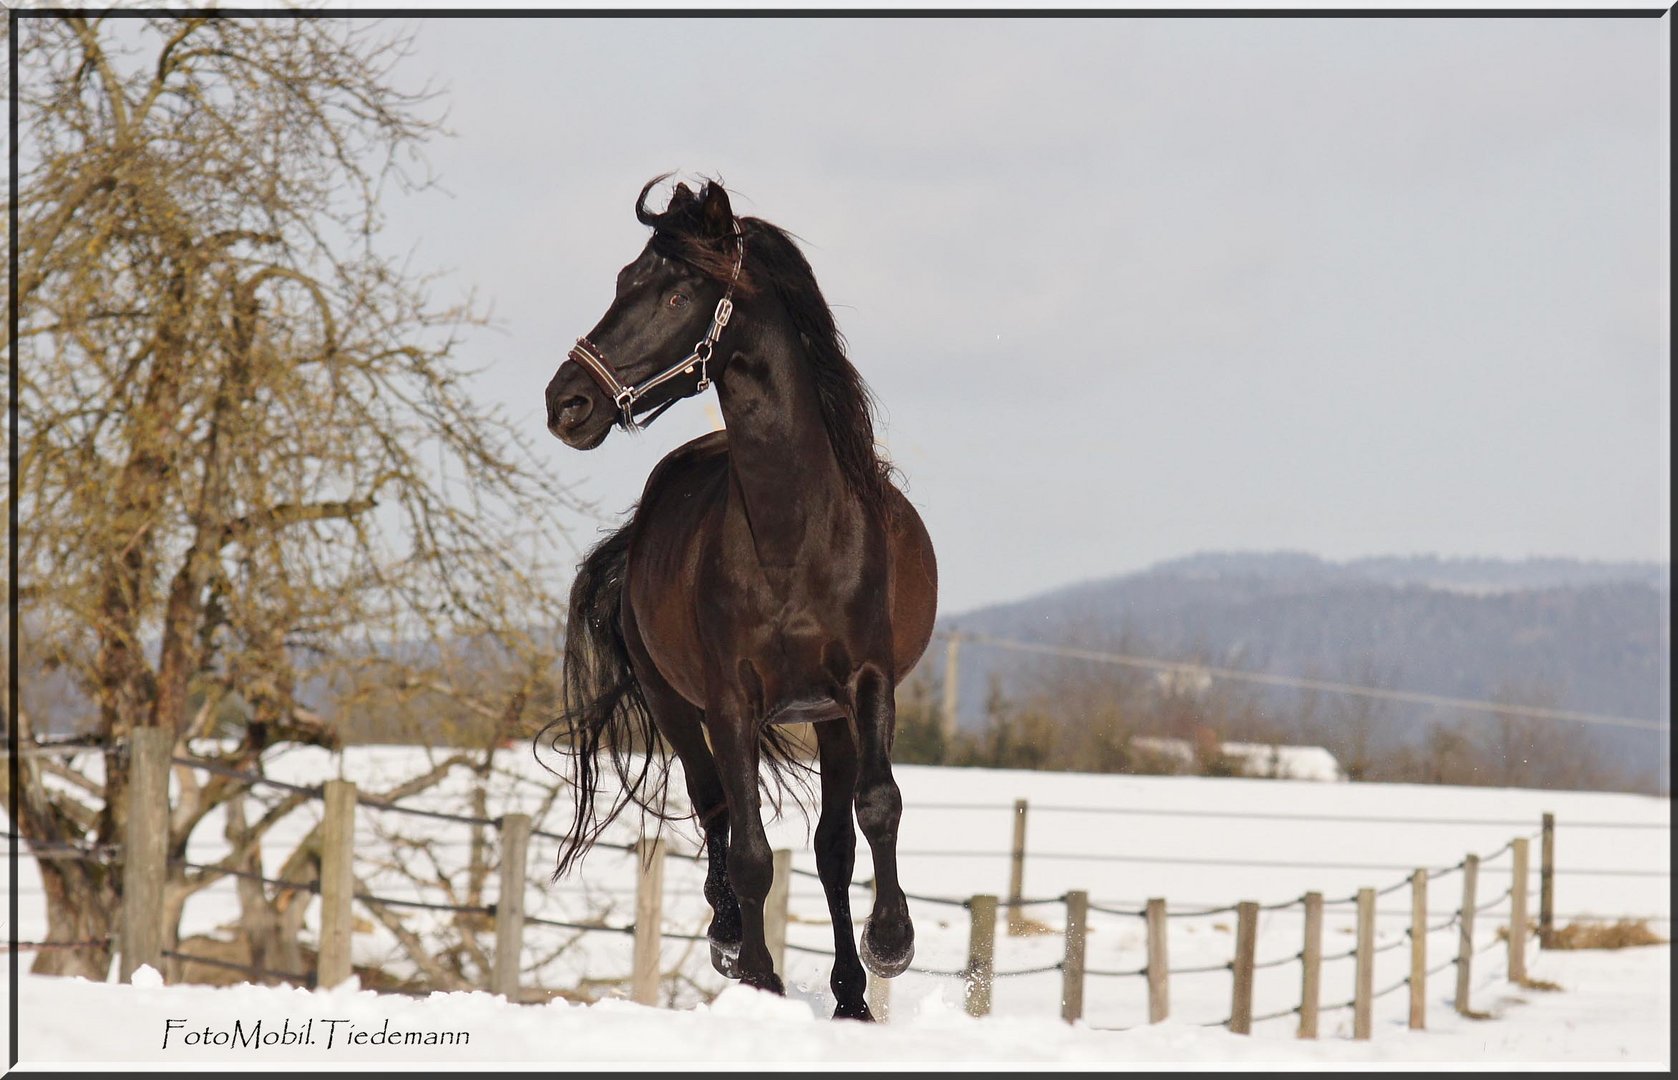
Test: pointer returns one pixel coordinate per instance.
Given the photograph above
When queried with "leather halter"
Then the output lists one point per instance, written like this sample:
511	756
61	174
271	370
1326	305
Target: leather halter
625	395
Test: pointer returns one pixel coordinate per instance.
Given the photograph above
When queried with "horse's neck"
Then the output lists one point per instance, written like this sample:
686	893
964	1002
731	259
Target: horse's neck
779	452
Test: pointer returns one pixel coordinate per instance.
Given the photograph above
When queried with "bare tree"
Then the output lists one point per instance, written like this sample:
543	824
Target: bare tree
1097	706
251	470
1358	730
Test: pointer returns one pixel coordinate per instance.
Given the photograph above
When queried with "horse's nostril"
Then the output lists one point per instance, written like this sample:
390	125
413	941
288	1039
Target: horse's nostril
572	411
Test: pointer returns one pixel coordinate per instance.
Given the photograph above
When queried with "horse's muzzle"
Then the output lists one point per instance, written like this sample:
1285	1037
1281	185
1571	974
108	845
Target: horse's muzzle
567	414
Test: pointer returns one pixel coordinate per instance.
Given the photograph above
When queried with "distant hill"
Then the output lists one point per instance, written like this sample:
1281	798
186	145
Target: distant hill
1431	571
1587	636
1584	636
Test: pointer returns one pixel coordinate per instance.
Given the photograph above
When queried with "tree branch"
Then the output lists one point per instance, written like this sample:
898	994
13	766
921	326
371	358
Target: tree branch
442	978
286	514
113	86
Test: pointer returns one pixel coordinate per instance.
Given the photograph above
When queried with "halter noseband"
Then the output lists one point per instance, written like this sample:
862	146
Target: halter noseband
624	396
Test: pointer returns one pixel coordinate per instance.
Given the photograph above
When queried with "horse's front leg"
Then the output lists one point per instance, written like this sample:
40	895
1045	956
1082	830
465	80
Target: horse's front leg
835	862
751	867
888	937
681	724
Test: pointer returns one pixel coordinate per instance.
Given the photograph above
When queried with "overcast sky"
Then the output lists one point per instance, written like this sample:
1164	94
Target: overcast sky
1126	289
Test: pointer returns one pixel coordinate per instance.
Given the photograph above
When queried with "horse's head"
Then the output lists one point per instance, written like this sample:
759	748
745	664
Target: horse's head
654	344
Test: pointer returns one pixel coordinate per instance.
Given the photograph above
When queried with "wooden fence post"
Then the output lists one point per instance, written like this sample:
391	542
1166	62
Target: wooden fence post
981	953
337	884
1363	993
145	850
1518	916
775	910
1016	873
879	998
1246	940
509	906
1465	940
1072	967
1159	963
1311	963
1547	884
1418	950
879	990
649	916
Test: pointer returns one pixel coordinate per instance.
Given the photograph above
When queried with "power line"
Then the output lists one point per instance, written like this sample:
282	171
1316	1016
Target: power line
1337	819
1410	697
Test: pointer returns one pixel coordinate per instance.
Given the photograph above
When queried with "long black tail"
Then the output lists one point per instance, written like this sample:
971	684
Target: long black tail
604	709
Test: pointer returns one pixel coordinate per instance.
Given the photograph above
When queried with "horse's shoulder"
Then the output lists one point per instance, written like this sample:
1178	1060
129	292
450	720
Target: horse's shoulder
700	455
707	445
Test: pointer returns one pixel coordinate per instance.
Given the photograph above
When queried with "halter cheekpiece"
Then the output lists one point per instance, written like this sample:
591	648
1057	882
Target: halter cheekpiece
624	396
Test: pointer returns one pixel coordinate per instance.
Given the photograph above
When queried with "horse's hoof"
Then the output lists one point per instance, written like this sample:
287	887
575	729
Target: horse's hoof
770	982
859	1011
726	959
885	963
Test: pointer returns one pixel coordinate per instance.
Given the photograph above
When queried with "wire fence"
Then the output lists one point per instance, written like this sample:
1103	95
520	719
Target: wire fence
979	968
1278	815
1363	954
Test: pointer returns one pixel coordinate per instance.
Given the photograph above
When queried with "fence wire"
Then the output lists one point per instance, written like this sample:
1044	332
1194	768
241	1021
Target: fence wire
1283	905
1399	985
1449	922
1056	966
1280	961
374	803
1141	971
1437	968
219	769
391	901
249	875
307	980
1228	965
562	925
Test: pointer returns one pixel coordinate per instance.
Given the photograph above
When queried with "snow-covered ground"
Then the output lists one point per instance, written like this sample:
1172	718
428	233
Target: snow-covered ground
1612	1009
1196	842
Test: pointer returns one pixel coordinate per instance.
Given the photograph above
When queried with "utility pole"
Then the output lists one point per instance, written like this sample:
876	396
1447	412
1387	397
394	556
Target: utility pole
951	652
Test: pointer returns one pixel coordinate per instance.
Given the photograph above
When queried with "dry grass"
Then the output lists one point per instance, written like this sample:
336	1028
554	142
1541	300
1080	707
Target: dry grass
1622	934
1530	983
1029	927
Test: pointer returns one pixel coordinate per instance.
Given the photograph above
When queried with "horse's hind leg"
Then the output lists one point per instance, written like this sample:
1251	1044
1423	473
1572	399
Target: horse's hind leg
888	937
734	739
835	862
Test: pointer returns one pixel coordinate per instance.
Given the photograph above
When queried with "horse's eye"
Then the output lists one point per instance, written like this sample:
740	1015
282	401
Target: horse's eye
678	299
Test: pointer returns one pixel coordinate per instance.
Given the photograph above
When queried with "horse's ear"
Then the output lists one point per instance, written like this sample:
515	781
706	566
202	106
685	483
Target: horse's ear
715	213
680	197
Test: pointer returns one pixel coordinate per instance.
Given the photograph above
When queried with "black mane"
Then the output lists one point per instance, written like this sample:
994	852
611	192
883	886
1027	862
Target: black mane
773	261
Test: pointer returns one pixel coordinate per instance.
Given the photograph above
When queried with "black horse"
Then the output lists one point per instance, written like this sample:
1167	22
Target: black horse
770	574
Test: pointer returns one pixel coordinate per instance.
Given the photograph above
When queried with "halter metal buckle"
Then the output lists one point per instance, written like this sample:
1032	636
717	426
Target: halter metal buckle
625	401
